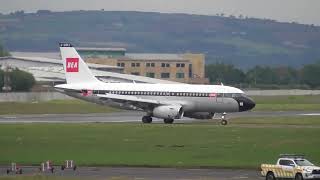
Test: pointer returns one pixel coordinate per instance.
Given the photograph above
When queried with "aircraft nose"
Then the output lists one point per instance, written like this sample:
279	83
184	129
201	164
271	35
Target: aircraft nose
245	103
250	104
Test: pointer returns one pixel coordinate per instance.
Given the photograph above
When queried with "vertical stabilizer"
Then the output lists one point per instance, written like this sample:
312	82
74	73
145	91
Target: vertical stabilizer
76	70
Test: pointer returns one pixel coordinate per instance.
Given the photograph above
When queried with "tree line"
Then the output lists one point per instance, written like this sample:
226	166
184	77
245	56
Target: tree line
265	77
3	52
19	80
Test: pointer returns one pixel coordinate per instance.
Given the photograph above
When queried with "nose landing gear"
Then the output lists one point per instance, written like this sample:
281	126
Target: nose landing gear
146	119
224	120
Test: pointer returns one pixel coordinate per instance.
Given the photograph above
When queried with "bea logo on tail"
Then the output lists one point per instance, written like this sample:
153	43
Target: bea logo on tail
72	64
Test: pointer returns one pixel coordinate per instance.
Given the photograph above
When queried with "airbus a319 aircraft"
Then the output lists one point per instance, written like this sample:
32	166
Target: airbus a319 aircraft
165	101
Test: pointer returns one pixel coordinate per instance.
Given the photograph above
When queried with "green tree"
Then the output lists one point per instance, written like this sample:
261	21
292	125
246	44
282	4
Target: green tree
310	75
1	79
3	52
286	75
224	73
261	75
21	80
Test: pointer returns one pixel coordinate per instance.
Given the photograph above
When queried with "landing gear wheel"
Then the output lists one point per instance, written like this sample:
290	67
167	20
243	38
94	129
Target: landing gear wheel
270	176
146	119
298	177
224	122
168	121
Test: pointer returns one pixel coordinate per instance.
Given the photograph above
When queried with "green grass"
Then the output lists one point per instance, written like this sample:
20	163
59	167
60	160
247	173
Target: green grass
37	177
179	145
287	103
303	120
53	107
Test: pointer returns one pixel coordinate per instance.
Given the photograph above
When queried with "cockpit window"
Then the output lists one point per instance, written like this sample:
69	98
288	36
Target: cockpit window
236	95
303	162
239	95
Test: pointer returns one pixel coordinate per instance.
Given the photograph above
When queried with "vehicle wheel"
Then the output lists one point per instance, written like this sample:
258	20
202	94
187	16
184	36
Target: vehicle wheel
298	177
270	176
168	121
146	119
20	171
224	122
62	167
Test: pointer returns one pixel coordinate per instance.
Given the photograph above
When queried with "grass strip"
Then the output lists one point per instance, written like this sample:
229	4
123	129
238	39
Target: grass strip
177	145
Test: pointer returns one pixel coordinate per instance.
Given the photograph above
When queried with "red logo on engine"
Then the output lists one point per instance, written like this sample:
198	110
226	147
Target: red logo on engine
72	64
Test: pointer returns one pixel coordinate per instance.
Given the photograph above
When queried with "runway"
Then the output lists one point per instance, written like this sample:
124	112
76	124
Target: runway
148	173
130	116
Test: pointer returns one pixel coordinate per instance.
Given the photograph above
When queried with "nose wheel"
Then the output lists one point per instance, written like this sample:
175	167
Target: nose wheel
224	120
168	121
147	119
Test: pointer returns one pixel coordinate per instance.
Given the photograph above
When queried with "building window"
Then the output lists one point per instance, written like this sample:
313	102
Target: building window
150	64
190	70
150	74
135	64
165	75
120	64
180	75
165	65
135	73
180	65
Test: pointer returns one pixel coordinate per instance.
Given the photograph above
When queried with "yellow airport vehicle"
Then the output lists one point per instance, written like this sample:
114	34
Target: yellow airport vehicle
290	166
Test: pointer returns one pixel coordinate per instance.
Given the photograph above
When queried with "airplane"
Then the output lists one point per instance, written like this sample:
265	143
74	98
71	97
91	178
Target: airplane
164	101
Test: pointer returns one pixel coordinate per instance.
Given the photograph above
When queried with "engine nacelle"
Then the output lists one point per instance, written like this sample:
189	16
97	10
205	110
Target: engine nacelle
168	112
200	115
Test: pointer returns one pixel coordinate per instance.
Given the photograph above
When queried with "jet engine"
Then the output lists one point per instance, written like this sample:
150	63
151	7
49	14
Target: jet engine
168	112
200	115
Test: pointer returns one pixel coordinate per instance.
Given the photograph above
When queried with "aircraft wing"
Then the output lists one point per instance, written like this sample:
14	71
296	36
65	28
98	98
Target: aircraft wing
132	101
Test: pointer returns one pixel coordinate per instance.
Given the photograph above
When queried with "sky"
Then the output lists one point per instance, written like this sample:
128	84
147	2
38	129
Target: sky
302	11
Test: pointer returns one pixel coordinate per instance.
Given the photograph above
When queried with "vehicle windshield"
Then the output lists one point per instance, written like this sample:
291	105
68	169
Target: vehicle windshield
303	162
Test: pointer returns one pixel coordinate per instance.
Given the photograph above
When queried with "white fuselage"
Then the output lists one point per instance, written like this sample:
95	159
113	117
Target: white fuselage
193	98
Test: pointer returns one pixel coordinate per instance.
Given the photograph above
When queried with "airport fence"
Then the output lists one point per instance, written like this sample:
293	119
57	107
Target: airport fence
47	96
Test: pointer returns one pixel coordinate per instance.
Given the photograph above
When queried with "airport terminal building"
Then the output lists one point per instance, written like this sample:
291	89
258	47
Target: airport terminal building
185	68
115	65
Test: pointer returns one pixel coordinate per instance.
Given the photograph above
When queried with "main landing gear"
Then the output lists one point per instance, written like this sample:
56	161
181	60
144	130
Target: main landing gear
146	119
168	121
224	120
